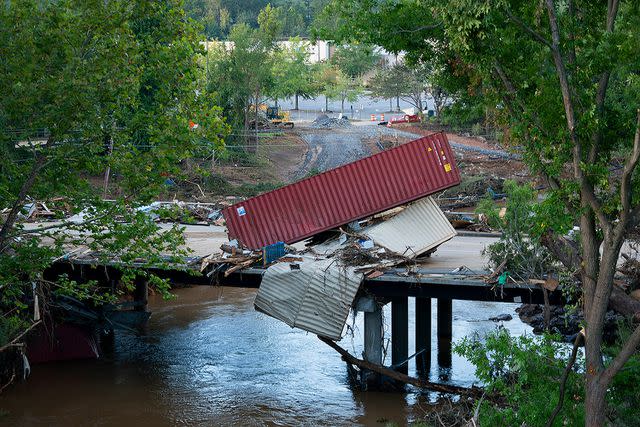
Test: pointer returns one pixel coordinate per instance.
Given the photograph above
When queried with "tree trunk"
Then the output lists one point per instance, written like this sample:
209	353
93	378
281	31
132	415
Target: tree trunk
342	106
254	145
398	103
390	104
594	403
326	104
567	252
296	105
245	137
596	304
27	185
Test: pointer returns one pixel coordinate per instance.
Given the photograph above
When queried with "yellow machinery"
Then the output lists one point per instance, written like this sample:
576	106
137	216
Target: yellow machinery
269	117
279	118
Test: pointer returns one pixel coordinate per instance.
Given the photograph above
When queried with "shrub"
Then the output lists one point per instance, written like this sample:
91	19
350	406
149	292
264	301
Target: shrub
525	257
525	370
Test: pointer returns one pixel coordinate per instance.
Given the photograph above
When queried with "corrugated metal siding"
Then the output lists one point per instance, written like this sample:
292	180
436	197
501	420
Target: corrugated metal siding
415	230
316	298
344	194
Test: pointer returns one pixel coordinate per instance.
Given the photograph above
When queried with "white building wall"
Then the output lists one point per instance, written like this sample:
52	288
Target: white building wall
320	51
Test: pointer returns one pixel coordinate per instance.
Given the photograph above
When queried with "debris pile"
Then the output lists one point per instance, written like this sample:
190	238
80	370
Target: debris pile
564	321
325	122
49	210
185	212
328	273
390	190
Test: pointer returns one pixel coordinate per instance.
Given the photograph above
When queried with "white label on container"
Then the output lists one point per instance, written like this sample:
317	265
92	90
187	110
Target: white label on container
241	211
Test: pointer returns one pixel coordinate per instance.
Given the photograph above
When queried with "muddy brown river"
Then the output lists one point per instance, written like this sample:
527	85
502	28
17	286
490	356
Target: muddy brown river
208	359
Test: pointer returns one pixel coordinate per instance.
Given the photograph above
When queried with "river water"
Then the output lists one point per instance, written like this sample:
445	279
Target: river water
208	358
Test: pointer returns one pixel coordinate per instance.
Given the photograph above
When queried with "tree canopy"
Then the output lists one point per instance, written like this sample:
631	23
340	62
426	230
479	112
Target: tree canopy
218	16
294	76
563	77
90	86
355	60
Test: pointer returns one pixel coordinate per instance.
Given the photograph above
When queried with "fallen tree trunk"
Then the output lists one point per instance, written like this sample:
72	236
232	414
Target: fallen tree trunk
622	303
398	376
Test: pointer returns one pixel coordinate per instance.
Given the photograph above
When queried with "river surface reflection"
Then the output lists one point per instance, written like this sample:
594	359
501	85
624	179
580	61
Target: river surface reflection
208	358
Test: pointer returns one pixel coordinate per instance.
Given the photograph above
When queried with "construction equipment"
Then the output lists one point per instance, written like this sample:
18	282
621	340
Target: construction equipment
270	117
279	118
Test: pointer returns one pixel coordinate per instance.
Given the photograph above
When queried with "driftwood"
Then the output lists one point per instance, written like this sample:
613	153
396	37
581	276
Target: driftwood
229	249
241	265
398	376
624	304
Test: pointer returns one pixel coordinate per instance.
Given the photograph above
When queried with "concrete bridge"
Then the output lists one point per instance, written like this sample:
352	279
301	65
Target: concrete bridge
454	272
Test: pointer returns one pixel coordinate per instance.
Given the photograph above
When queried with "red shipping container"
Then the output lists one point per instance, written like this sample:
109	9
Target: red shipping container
344	194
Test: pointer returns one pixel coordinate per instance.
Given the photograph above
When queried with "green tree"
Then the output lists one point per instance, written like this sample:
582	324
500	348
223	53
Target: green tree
355	60
240	74
218	16
89	85
334	84
563	76
212	15
346	89
293	75
327	80
400	81
382	85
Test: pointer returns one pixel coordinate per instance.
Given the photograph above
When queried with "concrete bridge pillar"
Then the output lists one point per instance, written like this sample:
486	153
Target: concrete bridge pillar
141	293
423	335
372	337
445	331
400	333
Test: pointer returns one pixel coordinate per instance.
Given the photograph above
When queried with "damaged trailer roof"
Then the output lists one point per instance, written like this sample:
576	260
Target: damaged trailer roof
421	226
313	295
344	194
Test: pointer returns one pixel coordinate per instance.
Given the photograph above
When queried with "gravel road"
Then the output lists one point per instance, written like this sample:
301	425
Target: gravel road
330	148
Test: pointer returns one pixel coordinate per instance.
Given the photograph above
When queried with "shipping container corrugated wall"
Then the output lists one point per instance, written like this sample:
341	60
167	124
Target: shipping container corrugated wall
344	194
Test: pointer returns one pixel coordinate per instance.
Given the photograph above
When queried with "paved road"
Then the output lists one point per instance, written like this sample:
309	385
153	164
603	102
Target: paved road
457	252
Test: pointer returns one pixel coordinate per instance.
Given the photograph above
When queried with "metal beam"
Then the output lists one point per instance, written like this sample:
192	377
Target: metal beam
426	284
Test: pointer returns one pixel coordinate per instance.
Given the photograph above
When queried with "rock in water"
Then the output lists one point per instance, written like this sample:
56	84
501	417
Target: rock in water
501	318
